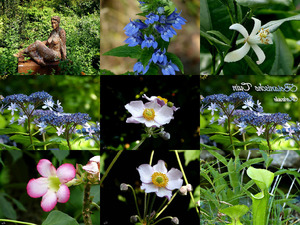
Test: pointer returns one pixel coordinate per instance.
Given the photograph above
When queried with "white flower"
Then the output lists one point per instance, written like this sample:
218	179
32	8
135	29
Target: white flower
222	120
60	130
248	104
260	130
157	179
22	120
213	108
48	104
42	127
242	127
151	114
258	36
291	131
13	107
212	120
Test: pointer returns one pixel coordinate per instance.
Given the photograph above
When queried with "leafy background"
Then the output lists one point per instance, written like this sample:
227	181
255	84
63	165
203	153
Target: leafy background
24	22
18	167
282	58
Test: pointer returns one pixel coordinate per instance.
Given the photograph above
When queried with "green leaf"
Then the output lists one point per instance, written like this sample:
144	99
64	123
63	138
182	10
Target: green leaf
175	60
8	131
235	212
207	147
191	155
95	192
275	24
60	155
221	46
209	131
233	175
219	157
146	56
15	154
220	35
225	140
6	208
125	51
59	218
8	147
25	140
263	178
254	67
263	3
153	70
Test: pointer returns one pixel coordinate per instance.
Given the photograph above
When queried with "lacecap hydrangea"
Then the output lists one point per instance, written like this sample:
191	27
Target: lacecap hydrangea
153	36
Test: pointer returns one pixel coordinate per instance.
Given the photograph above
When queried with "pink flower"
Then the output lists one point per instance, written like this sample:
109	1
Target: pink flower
93	166
51	186
157	179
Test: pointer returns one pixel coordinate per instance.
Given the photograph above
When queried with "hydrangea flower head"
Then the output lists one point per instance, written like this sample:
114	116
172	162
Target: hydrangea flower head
257	36
52	185
151	114
159	180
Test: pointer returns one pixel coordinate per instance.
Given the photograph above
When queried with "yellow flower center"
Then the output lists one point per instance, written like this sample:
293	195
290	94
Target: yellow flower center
163	99
149	114
54	183
264	35
160	179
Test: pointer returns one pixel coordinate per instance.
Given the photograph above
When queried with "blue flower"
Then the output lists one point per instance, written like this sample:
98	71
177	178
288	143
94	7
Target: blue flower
159	56
168	68
39	97
160	10
139	68
151	18
149	42
166	32
134	26
135	39
175	20
15	98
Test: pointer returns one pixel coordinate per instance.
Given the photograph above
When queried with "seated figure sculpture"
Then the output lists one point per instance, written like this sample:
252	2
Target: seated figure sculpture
53	49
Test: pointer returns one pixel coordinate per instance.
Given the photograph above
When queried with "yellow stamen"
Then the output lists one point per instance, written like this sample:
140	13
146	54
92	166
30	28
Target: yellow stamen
149	114
163	99
160	179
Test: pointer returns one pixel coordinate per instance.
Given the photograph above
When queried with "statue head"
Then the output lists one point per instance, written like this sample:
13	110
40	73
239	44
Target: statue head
55	20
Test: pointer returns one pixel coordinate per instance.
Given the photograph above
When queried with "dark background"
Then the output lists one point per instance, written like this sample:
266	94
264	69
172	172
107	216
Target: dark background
114	211
117	91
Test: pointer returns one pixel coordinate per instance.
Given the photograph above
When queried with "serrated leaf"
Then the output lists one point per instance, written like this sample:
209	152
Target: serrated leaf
125	51
175	60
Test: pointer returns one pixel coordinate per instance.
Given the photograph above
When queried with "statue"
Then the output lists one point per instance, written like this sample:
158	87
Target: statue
53	49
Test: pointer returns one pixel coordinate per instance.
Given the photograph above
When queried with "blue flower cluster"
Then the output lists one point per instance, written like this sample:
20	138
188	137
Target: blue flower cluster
258	119
291	132
148	34
91	131
60	119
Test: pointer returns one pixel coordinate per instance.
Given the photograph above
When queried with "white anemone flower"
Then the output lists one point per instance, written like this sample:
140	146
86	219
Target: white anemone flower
159	180
258	35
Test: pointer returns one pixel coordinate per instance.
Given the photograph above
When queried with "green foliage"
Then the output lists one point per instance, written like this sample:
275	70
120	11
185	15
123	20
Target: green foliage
59	218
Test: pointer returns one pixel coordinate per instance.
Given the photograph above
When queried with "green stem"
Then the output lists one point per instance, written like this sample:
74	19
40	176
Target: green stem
169	202
140	143
110	166
86	212
30	135
44	139
137	208
230	134
15	221
186	181
164	218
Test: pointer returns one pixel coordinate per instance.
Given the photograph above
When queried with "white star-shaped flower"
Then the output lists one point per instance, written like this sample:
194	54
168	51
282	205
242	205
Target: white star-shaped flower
260	130
258	36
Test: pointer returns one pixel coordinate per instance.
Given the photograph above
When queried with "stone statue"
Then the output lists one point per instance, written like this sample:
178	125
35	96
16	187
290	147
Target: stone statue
53	49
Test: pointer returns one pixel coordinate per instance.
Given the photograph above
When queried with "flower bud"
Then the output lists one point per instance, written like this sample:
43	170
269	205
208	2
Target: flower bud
134	219
189	187
183	190
170	104
164	135
175	220
123	187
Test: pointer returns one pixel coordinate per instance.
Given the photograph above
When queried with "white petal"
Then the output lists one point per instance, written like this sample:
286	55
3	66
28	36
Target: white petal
240	28
63	194
153	105
164	115
160	167
145	171
45	168
238	54
163	192
256	28
37	187
49	201
136	108
149	187
260	54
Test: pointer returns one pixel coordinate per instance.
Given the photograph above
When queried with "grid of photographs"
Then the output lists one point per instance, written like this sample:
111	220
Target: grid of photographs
60	152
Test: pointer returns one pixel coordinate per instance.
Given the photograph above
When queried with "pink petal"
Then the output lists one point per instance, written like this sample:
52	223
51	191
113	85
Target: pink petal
163	192
160	167
149	187
63	194
45	168
164	115
136	108
49	201
37	187
66	172
145	171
